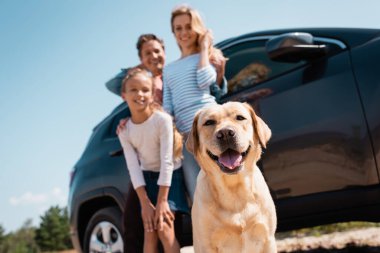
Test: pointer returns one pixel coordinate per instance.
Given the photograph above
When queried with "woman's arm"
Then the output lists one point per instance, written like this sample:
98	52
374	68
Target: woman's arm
219	90
204	42
206	74
218	60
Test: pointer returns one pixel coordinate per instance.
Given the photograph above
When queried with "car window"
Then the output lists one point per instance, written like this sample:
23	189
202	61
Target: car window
248	65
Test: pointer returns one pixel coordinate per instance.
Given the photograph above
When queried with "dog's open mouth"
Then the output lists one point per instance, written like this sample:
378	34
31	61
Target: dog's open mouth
230	161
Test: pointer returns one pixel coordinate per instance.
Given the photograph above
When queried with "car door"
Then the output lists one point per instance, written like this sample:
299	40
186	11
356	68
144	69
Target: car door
320	146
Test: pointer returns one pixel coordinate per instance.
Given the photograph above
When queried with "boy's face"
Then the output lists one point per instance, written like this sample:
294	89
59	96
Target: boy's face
138	92
152	56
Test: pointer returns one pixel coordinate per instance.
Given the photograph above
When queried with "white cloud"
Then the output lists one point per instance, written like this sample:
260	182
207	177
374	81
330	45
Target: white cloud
56	191
55	196
28	198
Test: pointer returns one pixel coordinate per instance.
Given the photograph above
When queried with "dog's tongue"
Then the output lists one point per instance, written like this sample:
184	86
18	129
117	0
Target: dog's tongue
230	159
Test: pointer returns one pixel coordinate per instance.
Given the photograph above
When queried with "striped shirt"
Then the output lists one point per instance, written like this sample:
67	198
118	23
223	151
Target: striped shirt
187	89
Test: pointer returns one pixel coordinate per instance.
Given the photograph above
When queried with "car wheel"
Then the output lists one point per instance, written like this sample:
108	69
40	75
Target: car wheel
104	233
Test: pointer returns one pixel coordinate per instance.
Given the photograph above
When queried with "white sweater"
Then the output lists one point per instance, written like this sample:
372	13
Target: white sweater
149	146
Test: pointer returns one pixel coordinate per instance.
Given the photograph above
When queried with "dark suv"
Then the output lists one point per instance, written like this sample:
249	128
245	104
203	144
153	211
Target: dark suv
319	92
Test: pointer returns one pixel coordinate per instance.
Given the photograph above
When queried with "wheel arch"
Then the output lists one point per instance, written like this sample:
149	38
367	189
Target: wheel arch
111	197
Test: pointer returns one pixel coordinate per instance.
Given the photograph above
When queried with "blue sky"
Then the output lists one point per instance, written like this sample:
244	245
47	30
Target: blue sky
56	55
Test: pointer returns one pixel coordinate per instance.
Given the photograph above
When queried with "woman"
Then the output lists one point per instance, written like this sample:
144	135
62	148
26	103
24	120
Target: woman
187	80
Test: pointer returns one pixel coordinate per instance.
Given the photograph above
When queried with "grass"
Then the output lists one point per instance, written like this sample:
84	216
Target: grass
326	229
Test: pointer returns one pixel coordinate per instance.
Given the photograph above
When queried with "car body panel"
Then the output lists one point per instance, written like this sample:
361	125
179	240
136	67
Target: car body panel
320	145
366	69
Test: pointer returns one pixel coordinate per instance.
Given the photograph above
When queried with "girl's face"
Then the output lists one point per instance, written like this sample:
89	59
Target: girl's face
184	33
138	92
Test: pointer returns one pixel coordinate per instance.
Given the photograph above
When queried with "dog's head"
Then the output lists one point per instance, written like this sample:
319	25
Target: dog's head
227	135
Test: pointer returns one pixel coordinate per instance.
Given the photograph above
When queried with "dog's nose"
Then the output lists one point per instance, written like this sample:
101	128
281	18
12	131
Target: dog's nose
225	133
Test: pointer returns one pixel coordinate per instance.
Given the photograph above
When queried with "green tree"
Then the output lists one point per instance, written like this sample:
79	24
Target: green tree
22	241
2	238
53	233
2	235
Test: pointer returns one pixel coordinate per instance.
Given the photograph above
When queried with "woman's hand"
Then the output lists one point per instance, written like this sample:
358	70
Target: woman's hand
122	125
148	216
219	62
163	214
205	40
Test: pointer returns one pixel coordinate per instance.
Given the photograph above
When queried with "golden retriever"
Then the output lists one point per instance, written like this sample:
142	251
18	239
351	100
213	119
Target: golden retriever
233	210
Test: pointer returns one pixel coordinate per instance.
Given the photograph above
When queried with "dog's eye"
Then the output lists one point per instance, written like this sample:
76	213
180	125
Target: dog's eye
239	117
209	122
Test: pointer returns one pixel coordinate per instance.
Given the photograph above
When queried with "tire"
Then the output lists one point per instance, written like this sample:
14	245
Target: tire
104	232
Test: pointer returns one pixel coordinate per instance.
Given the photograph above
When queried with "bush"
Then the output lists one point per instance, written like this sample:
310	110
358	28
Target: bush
53	233
22	241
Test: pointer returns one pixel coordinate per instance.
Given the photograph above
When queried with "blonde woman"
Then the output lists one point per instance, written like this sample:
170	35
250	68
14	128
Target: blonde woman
187	80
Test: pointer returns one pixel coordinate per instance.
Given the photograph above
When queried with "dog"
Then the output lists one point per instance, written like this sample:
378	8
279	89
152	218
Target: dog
233	210
250	75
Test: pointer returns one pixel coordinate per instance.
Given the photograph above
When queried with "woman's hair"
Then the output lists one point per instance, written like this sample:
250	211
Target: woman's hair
196	24
196	21
177	137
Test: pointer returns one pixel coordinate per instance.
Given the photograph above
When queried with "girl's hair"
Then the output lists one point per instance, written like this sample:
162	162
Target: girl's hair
196	24
177	137
177	144
134	72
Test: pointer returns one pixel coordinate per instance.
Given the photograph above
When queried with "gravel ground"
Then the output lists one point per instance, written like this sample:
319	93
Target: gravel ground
354	241
349	241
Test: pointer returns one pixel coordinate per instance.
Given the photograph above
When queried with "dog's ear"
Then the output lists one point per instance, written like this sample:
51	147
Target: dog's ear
261	129
192	142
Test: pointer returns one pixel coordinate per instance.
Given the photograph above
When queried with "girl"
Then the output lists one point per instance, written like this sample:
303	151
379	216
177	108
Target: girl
187	80
157	177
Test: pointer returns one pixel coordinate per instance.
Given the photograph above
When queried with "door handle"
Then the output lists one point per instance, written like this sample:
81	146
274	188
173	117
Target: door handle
116	153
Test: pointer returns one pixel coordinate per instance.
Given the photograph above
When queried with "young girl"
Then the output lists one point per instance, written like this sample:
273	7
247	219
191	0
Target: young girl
155	171
187	80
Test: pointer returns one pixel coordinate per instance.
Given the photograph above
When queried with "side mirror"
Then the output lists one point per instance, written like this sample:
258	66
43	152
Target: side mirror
294	47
